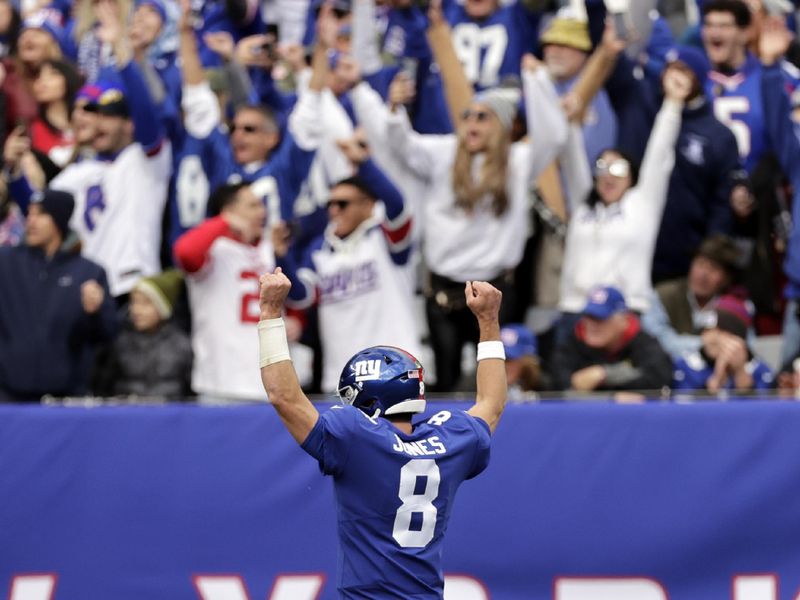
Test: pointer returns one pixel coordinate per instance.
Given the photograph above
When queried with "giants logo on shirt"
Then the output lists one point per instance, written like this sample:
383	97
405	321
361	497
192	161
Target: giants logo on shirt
368	370
349	282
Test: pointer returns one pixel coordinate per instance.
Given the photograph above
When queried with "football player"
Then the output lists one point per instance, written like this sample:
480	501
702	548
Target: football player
395	479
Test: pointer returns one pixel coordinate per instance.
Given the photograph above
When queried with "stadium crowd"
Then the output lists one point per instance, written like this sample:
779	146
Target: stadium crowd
627	179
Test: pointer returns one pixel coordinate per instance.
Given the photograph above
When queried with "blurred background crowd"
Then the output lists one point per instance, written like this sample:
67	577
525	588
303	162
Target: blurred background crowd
625	172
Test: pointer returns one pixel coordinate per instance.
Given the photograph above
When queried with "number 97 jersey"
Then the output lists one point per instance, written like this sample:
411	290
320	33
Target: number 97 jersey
394	495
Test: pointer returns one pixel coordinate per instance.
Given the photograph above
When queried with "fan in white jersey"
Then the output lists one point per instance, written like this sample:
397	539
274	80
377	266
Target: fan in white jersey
223	257
355	269
120	194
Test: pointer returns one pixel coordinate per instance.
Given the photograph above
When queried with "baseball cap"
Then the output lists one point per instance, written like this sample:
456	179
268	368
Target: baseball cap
106	98
518	341
603	302
733	315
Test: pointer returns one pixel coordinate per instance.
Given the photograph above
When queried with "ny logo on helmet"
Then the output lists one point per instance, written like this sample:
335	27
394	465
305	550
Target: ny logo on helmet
368	370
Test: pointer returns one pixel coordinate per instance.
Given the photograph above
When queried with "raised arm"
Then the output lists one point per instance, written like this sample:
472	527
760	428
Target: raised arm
147	130
484	302
277	372
547	123
419	153
595	73
659	157
365	43
458	90
305	121
575	168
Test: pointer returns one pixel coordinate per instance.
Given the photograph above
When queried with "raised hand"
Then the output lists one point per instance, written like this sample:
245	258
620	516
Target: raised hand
294	56
774	40
16	146
220	43
531	63
92	295
112	30
354	148
677	85
327	26
401	91
435	14
275	287
250	52
483	300
611	42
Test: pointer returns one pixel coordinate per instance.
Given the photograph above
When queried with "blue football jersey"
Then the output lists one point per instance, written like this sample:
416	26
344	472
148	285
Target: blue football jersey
492	49
394	495
739	103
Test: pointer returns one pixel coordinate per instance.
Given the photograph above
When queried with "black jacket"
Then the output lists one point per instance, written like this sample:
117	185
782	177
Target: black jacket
639	364
47	340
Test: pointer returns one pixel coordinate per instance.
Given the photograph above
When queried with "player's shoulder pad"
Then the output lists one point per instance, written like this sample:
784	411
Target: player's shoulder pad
452	419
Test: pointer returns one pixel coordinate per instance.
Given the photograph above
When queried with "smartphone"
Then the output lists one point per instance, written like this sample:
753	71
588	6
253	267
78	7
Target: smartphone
294	228
270	47
408	66
621	25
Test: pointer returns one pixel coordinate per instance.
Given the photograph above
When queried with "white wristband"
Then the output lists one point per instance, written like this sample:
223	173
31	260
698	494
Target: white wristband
272	343
491	350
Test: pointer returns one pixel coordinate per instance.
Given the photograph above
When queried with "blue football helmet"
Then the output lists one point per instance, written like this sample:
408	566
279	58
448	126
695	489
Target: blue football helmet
383	380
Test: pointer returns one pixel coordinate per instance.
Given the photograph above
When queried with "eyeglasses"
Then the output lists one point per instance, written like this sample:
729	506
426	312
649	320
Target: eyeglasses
480	115
338	203
245	128
619	167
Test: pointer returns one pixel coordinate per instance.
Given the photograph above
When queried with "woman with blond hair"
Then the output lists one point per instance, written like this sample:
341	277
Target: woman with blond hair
93	52
475	200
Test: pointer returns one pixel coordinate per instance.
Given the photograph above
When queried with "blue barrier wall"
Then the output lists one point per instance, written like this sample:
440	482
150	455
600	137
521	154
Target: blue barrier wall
680	501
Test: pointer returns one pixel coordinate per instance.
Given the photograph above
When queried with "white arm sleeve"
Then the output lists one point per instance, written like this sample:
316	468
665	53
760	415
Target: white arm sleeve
290	16
201	114
305	120
575	168
371	113
547	124
365	41
659	158
408	146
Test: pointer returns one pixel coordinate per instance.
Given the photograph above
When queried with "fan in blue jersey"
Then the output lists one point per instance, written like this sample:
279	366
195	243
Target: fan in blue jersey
275	163
750	97
237	17
724	361
748	94
490	38
395	480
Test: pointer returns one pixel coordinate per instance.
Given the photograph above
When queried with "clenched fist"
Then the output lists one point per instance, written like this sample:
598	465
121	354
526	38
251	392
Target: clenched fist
483	300
274	289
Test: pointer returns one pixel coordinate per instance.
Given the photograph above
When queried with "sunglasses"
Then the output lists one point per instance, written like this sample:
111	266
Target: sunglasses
245	128
338	203
619	167
480	115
